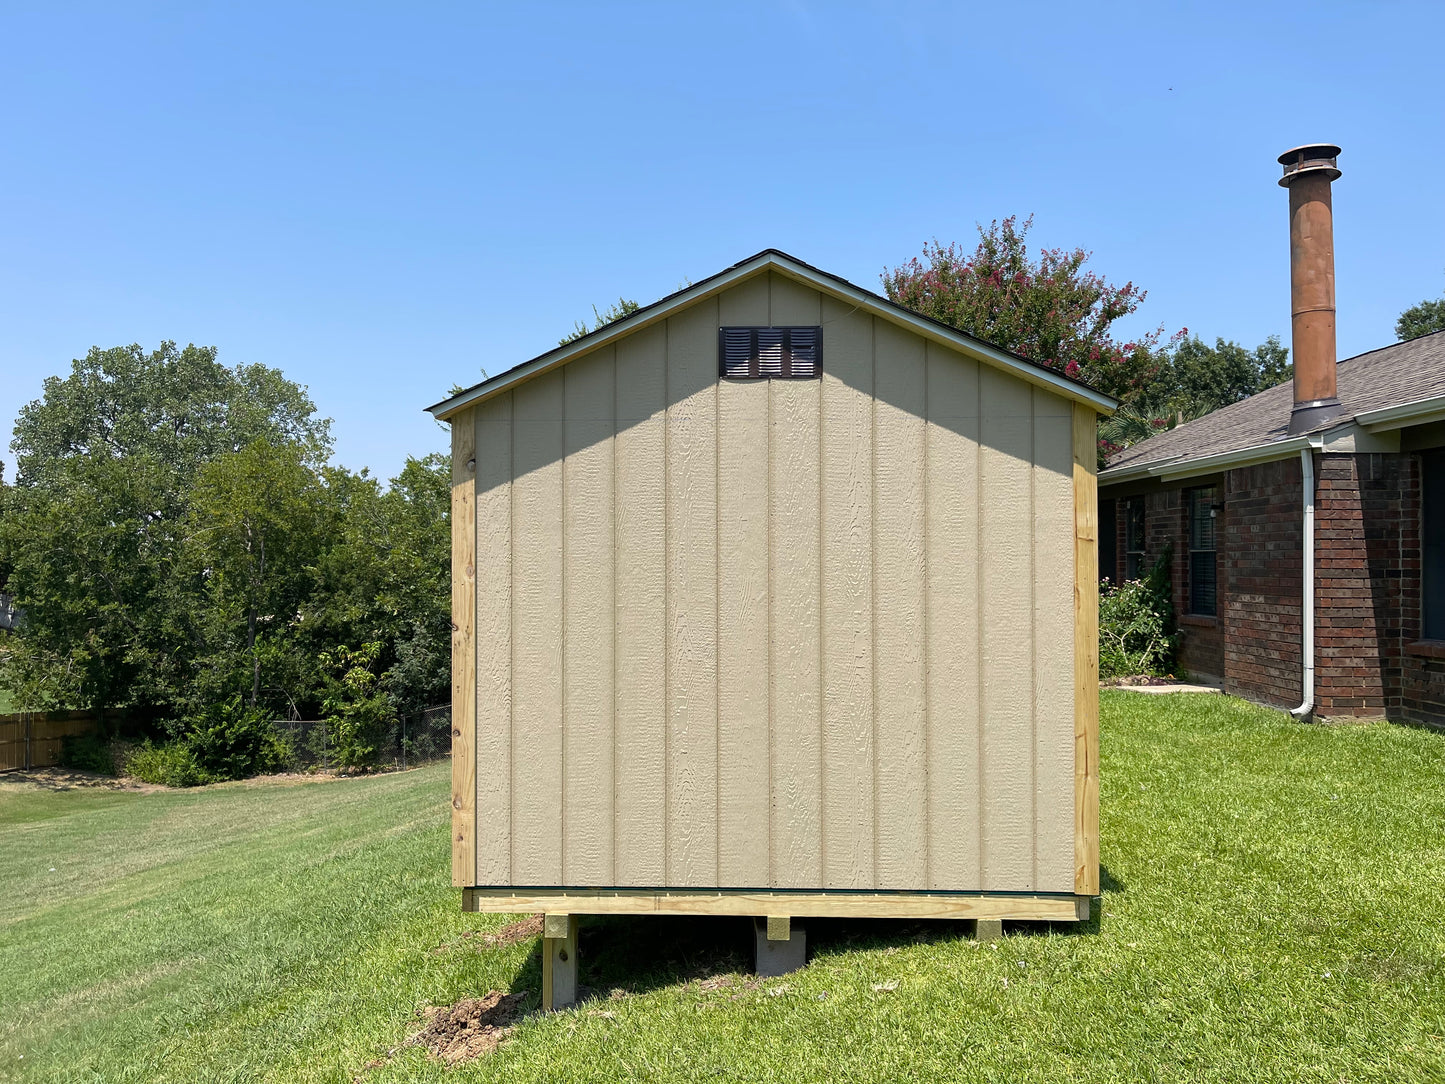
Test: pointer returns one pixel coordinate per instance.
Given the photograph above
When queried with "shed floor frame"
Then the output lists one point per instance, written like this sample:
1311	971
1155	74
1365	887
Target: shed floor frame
754	902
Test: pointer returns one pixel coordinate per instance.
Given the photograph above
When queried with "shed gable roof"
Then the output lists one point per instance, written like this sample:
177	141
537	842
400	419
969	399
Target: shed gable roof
775	260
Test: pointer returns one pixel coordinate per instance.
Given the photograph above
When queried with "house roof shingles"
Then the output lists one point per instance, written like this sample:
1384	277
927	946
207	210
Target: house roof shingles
1400	373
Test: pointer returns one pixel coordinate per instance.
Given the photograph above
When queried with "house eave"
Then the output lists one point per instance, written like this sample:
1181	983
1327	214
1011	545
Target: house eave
1402	415
1179	467
795	269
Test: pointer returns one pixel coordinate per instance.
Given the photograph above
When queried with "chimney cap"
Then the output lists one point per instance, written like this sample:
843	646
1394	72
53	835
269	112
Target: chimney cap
1309	158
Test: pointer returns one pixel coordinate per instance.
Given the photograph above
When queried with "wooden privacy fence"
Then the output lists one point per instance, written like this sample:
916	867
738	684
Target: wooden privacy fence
33	739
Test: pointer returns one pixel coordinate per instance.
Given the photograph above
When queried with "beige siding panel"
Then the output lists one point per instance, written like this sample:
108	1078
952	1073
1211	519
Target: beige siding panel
793	303
1053	663
494	641
537	713
640	618
692	596
796	645
898	585
952	515
743	609
796	749
1006	655
587	487
847	605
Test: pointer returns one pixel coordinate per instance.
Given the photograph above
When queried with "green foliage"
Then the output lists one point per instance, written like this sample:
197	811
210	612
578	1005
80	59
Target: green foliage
128	914
1425	318
232	740
357	709
1136	625
89	752
95	525
178	540
612	313
1195	379
168	764
1046	308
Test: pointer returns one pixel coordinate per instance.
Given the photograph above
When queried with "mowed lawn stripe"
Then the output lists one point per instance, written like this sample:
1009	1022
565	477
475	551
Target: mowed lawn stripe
1271	912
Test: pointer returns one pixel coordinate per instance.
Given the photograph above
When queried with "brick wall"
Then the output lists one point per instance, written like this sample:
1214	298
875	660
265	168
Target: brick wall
1367	587
1260	554
1367	571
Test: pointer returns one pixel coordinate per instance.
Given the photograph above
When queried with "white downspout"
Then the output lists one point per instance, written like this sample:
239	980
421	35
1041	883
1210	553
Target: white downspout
1307	614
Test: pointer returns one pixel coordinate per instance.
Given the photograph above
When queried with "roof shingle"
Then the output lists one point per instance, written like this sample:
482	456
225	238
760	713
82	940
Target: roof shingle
1395	374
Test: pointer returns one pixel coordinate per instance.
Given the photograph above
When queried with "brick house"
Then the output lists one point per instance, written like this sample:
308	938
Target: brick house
1336	480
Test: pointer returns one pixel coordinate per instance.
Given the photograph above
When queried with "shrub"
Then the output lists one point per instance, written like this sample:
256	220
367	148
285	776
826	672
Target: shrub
233	741
171	764
357	711
87	753
1136	625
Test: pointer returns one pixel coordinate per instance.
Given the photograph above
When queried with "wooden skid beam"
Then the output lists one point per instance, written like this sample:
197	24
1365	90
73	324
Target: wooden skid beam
645	901
1086	653
464	654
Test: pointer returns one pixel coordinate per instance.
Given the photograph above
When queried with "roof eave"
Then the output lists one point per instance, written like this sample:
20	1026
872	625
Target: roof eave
1177	468
774	260
1402	415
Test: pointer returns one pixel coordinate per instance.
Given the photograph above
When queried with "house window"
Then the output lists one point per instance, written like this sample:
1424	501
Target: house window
1108	540
1134	538
1432	545
770	353
1202	562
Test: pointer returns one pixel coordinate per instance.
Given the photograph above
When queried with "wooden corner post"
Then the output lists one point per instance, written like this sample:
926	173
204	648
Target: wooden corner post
1086	652
464	652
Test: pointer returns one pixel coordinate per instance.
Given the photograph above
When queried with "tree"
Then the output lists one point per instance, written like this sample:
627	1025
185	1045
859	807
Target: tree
1195	379
96	521
386	578
1047	309
255	532
1425	318
612	314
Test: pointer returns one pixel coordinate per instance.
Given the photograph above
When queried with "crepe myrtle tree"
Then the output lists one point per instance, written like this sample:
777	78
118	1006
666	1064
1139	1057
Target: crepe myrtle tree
1045	307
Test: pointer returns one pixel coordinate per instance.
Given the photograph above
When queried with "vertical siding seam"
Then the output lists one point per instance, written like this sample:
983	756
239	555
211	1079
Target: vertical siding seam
666	597
1034	636
927	714
717	771
615	682
873	571
981	721
768	520
511	635
822	640
562	486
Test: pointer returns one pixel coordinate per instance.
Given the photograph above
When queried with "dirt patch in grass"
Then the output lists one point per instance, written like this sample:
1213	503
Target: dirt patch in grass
471	1028
511	934
73	779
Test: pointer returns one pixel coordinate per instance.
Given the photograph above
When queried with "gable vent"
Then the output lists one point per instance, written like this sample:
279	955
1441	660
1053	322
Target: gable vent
770	353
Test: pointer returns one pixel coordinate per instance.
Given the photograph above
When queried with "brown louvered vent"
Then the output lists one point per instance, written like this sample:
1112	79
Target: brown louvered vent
770	353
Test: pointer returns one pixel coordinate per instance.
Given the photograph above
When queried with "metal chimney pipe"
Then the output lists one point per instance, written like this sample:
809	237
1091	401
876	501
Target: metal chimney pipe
1308	172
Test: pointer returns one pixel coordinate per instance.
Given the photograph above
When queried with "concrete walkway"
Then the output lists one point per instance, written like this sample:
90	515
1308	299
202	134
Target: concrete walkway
1160	690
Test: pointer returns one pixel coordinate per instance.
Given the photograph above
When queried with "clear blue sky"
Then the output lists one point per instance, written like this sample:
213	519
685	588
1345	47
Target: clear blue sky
381	200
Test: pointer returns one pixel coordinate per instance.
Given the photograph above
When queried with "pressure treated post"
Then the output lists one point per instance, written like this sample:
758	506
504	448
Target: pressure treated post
464	654
559	961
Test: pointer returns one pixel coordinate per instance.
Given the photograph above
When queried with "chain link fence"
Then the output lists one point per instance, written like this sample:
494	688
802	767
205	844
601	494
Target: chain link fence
411	740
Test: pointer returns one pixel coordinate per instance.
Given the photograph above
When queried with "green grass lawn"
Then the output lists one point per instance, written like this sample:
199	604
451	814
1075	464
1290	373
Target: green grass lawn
1274	910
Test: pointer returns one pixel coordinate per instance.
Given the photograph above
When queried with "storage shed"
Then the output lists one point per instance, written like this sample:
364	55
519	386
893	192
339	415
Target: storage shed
775	599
